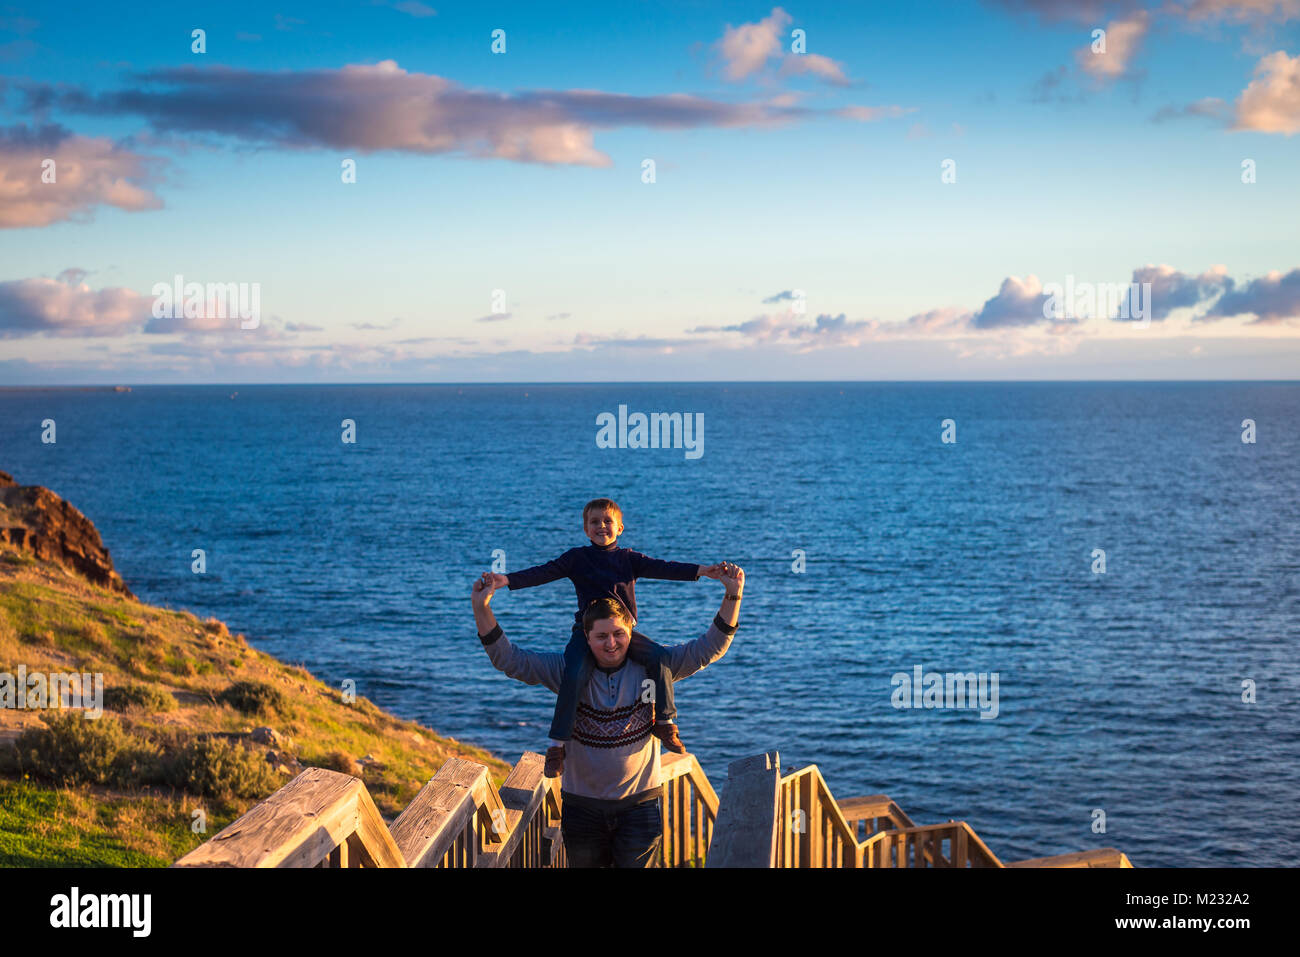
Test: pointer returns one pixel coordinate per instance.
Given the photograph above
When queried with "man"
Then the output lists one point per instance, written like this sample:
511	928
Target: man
610	814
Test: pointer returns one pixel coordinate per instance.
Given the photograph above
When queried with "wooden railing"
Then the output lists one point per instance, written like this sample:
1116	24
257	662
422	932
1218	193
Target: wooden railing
319	819
769	820
690	809
458	819
813	829
952	844
1101	857
326	819
872	814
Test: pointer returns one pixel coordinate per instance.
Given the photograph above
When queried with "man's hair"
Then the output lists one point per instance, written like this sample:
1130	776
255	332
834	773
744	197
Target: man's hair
606	503
604	608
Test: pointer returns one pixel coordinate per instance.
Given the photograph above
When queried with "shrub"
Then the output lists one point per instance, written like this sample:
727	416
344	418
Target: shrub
135	697
91	634
338	761
73	749
254	697
214	767
181	665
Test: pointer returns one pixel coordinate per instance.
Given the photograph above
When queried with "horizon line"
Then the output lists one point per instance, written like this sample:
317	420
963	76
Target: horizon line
630	382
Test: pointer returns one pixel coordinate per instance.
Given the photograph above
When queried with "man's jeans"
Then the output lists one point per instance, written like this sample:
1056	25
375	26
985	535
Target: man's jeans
626	838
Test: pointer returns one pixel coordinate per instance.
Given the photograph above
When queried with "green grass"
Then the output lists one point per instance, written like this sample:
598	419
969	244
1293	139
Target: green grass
44	827
54	623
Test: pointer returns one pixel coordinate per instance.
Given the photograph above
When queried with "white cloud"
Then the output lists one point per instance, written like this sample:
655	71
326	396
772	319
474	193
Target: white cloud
747	48
1271	103
87	172
1123	37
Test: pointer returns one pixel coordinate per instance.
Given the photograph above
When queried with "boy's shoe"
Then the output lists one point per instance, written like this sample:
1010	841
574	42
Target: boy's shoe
667	735
554	762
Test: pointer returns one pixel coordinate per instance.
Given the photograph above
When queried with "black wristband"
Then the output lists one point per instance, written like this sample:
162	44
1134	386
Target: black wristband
723	626
491	636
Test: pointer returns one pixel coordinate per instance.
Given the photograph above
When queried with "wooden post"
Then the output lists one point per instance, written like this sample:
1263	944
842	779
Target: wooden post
745	832
701	842
664	851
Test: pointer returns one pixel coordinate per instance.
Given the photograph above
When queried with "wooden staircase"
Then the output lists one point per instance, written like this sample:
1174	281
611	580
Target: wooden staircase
767	819
458	820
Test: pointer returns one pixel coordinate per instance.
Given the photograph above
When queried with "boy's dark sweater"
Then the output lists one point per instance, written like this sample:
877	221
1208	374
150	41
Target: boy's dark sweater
603	572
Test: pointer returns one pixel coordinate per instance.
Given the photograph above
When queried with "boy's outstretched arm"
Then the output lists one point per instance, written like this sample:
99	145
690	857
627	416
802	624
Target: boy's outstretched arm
647	567
553	570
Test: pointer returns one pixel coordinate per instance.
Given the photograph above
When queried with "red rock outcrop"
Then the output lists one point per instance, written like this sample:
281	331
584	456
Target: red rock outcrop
36	520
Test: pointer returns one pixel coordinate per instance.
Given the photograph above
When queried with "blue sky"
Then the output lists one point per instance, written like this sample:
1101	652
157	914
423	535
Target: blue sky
775	172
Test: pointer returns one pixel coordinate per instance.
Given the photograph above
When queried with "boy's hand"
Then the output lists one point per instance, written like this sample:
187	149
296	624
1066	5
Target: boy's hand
711	571
499	581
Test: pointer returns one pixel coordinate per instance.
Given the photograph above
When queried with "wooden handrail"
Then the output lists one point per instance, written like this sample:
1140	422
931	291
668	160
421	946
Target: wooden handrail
923	847
690	811
460	820
814	831
1101	857
320	818
532	817
877	811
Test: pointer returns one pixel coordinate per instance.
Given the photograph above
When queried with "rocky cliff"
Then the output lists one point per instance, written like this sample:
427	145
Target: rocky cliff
36	520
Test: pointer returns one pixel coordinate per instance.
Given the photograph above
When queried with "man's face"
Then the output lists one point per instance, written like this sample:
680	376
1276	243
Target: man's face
608	641
603	526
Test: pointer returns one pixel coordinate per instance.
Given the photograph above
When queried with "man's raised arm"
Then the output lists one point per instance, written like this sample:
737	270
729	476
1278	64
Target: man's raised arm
526	666
693	655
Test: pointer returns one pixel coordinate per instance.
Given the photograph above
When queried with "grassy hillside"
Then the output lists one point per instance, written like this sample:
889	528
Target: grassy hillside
186	697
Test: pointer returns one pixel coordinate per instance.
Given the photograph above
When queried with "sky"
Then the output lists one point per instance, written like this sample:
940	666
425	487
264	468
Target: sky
403	191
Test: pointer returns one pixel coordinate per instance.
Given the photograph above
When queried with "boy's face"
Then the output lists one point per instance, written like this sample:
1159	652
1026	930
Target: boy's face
608	641
603	526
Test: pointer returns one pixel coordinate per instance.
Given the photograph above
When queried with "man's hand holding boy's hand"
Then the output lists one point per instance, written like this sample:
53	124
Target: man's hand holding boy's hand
498	581
484	588
733	576
711	571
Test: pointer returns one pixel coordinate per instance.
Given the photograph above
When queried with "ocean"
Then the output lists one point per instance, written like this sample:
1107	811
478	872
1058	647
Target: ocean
1163	692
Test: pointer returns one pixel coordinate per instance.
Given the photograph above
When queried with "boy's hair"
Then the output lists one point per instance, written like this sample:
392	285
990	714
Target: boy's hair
606	503
604	608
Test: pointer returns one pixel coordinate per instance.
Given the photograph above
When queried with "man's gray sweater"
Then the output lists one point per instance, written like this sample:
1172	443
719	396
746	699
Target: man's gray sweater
612	755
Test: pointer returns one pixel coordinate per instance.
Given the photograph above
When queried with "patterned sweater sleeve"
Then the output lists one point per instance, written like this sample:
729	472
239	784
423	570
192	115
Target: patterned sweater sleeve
530	667
693	656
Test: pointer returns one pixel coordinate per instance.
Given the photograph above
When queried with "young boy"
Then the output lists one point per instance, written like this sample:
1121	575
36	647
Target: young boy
603	570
